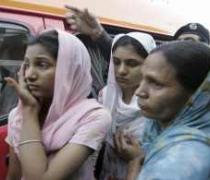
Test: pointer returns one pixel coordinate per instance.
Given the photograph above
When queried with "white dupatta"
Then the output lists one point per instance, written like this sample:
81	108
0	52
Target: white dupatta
124	116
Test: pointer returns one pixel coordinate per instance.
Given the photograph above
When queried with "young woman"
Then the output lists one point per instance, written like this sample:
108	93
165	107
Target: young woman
54	129
175	94
128	54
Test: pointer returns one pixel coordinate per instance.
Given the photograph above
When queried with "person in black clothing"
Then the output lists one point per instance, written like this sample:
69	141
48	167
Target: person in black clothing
98	42
194	32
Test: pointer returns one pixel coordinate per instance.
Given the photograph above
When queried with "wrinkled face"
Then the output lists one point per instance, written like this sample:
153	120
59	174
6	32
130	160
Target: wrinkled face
39	71
160	94
191	37
127	65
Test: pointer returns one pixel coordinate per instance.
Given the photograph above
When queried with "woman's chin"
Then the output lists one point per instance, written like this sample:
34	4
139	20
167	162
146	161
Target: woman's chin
123	85
145	113
36	94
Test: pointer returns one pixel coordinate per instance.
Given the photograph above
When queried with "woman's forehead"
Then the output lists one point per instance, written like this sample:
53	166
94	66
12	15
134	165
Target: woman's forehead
35	50
157	66
156	61
126	50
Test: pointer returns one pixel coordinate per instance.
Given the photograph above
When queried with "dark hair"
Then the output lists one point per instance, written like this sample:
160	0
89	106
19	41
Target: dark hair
127	40
191	61
49	40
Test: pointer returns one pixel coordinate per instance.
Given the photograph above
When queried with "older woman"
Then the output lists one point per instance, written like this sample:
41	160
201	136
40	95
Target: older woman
175	94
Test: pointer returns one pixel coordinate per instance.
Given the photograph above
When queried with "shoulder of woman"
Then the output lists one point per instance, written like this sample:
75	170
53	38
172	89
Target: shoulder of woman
184	160
101	114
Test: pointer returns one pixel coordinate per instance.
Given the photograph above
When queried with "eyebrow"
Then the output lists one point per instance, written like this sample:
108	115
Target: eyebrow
37	57
150	78
130	59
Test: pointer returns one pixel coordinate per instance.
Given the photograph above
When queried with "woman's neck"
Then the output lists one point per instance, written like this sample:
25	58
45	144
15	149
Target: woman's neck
44	111
127	95
164	125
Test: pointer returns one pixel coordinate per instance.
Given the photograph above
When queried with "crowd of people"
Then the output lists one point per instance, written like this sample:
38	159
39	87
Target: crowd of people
150	120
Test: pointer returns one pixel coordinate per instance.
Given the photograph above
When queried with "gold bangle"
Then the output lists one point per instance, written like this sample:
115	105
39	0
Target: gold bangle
29	142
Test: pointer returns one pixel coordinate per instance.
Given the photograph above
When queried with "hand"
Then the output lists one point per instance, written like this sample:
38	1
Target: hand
27	99
127	146
83	22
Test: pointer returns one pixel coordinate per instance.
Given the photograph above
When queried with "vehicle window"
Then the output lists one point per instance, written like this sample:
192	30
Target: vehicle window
12	47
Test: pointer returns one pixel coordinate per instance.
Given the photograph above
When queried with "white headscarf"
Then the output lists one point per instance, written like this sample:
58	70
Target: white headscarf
125	116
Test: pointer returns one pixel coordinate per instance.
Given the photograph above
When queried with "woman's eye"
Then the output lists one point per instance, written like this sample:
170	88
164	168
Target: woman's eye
157	85
132	63
116	61
43	65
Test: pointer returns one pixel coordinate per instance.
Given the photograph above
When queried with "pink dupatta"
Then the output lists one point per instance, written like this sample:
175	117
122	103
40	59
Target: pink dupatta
70	105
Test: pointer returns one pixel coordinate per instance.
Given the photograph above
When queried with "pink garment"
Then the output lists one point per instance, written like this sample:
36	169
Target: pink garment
72	118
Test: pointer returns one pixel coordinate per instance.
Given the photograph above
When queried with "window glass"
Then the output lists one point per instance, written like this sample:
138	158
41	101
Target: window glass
12	48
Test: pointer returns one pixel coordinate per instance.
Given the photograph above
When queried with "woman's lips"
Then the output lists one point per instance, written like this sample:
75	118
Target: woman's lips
122	80
33	87
143	107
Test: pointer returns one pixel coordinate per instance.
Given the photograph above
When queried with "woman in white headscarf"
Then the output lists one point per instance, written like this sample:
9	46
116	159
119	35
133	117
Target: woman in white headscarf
128	54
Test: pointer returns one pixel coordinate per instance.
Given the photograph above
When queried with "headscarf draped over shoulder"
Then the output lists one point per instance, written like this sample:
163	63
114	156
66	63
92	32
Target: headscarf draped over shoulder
182	150
70	105
124	114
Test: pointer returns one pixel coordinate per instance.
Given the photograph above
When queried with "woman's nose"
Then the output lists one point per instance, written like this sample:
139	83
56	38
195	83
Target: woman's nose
30	73
142	91
122	69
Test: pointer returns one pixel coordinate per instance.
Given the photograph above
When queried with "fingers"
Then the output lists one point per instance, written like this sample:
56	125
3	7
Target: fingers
123	141
72	8
73	20
87	15
132	140
120	141
73	24
116	141
70	18
13	83
21	84
21	77
90	18
75	12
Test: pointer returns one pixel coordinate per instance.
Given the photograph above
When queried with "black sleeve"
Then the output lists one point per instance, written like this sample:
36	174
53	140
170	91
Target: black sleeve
99	51
105	43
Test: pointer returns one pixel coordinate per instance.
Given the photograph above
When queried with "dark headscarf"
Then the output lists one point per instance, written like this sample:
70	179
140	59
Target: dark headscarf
194	28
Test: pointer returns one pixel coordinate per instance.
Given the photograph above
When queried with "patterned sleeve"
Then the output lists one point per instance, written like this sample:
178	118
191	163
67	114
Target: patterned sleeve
187	160
9	138
92	132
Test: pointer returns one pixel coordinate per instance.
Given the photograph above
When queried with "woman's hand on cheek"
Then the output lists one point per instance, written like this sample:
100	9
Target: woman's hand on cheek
127	146
27	99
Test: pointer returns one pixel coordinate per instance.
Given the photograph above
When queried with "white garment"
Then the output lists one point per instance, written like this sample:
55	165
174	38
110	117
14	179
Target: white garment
125	117
123	114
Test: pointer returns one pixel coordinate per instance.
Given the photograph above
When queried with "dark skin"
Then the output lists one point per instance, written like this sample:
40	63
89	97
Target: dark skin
128	148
